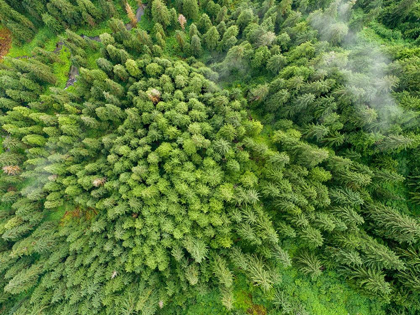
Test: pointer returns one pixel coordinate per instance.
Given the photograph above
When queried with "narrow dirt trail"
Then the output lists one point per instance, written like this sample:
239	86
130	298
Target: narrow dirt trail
140	12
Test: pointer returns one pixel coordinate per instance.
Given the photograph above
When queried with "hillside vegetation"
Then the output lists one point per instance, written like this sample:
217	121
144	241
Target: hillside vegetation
211	157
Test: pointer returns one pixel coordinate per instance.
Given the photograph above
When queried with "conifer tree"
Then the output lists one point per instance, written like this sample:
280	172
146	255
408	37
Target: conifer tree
244	18
160	13
21	27
64	10
229	38
193	30
182	20
195	45
107	7
204	23
131	15
221	16
180	38
190	9
211	38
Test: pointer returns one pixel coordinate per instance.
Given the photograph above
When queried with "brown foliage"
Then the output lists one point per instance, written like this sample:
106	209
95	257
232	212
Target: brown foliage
154	96
99	182
5	41
11	169
131	14
79	213
182	20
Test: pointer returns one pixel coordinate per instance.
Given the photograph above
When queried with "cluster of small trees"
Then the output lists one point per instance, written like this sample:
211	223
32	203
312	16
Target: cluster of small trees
21	27
23	18
164	183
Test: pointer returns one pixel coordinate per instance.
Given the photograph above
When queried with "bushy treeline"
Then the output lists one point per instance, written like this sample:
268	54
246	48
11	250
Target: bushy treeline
147	183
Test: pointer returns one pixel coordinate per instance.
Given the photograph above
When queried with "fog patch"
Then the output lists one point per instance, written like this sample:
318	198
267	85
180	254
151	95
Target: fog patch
363	65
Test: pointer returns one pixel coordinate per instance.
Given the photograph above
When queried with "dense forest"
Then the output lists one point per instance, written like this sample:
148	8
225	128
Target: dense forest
210	157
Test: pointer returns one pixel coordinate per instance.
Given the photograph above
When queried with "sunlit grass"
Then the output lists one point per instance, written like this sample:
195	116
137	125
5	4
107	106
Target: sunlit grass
45	39
61	70
95	31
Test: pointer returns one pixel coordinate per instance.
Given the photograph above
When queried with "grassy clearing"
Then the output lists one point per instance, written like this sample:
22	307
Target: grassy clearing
171	47
91	60
45	39
61	70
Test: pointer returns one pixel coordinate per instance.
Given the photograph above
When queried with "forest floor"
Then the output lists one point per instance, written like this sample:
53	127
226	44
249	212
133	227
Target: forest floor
5	41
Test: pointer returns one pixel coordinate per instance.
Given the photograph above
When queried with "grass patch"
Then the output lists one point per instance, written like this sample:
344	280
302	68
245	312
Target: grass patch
145	23
61	70
91	60
171	47
45	39
96	31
